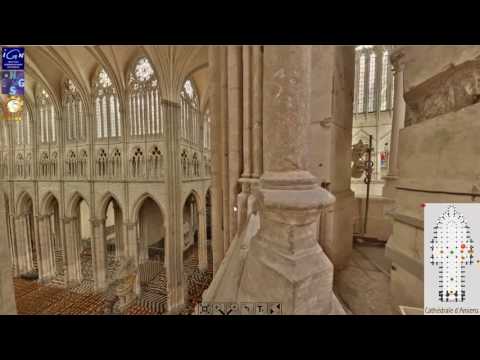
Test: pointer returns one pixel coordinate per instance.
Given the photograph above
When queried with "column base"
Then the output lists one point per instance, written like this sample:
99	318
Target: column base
285	262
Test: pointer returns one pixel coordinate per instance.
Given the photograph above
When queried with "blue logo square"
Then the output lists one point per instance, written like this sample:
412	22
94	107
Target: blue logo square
13	58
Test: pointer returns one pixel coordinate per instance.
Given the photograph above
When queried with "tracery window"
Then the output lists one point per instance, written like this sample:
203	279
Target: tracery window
195	165
383	89
155	163
371	82
83	163
44	165
23	128
54	164
71	164
136	163
116	163
48	130
361	84
190	114
207	164
75	122
144	100
102	163
184	162
28	165
107	107
20	166
373	86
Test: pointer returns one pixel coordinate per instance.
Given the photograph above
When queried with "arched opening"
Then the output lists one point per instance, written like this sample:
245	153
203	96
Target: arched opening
192	274
150	235
113	235
82	238
54	241
28	253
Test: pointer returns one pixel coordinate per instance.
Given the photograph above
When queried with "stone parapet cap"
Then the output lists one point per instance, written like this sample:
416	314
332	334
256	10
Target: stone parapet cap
406	219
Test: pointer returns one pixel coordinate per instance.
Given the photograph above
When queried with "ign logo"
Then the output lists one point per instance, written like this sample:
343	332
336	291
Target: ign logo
13	53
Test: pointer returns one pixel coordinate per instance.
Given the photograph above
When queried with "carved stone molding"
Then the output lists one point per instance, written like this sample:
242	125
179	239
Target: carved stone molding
97	222
450	91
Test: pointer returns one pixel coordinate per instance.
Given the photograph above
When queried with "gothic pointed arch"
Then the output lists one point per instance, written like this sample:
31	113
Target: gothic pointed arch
143	99
108	122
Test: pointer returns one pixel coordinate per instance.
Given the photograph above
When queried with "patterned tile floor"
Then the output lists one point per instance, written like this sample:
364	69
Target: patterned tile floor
53	299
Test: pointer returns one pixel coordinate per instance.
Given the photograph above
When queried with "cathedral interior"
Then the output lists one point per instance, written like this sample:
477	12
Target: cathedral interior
150	180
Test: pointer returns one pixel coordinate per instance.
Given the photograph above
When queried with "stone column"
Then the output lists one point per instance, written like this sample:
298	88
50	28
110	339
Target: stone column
72	265
50	243
21	244
99	254
247	111
257	106
216	58
130	230
285	253
398	121
28	242
202	239
174	234
11	236
46	261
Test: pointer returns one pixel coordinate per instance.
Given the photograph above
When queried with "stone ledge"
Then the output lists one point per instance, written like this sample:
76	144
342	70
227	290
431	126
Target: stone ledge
406	219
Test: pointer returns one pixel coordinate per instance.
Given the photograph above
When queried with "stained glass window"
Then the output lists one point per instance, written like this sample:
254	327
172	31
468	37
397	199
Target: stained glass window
143	100
107	113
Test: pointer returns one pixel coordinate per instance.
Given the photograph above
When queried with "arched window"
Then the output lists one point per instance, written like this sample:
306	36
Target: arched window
190	115
20	165
371	83
28	165
102	160
144	100
195	165
71	164
184	162
136	163
75	122
383	91
155	163
23	129
48	131
361	84
83	163
107	107
44	165
54	164
116	163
